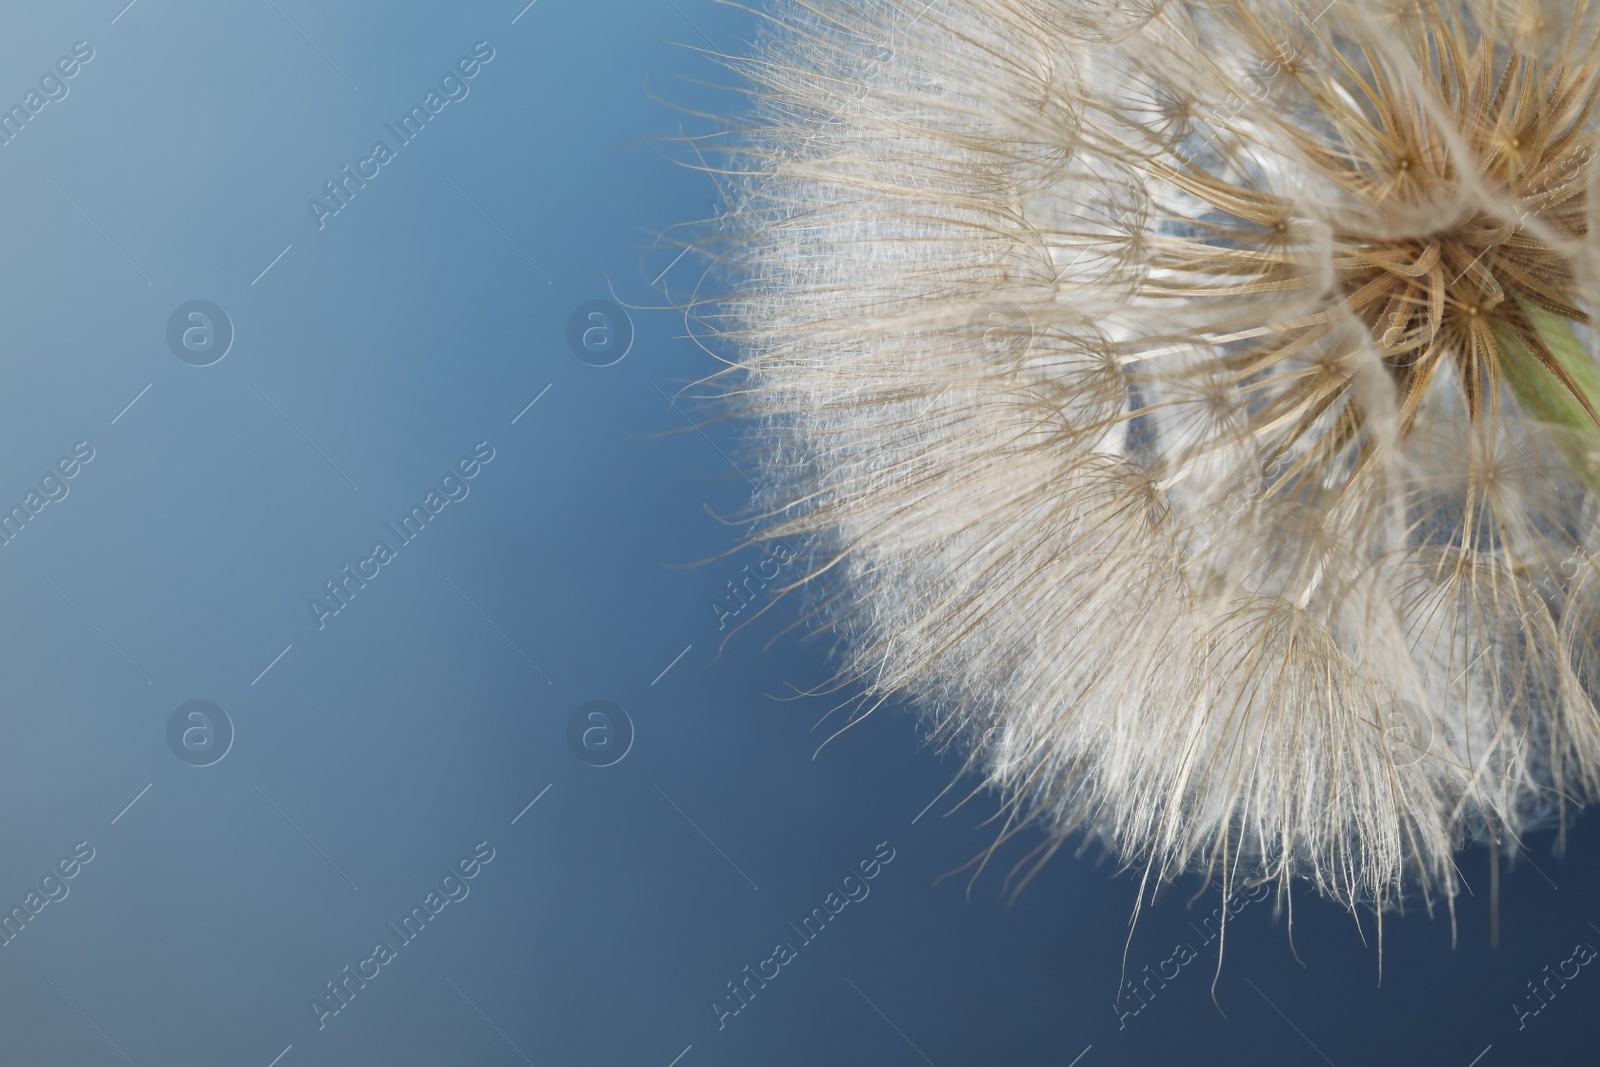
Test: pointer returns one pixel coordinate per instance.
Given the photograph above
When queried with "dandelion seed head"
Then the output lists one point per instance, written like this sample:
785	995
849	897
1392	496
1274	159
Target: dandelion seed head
1152	381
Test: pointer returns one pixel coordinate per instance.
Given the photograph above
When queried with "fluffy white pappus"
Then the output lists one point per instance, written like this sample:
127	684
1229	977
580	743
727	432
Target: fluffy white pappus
1173	396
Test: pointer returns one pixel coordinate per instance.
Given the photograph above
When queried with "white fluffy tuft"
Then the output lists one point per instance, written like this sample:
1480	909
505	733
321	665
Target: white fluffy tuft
1123	364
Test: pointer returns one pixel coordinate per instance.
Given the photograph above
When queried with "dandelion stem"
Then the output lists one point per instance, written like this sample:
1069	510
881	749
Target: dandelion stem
1549	400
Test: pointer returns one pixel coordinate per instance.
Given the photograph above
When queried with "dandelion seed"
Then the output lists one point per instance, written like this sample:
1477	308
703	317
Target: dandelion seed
1176	391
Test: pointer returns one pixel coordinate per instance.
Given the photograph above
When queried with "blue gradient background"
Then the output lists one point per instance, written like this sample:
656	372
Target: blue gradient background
411	727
